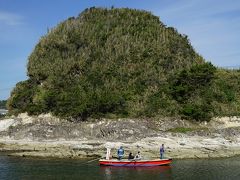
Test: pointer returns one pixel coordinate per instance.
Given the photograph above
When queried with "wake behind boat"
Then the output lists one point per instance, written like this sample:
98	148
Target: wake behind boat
133	162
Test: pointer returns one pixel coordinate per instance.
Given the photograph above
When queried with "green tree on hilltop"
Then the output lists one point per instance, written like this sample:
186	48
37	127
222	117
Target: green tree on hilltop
122	62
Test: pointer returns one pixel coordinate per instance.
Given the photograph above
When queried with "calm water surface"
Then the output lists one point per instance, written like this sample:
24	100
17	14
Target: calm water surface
25	168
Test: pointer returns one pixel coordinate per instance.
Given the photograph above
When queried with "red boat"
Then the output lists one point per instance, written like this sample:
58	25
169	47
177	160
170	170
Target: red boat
116	162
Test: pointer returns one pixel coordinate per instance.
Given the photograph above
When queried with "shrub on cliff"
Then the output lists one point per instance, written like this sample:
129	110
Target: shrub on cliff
188	85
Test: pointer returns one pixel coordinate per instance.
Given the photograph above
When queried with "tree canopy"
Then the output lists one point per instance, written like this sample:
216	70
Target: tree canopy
124	63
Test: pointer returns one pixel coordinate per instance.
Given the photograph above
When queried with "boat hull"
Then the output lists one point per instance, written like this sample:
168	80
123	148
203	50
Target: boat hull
155	162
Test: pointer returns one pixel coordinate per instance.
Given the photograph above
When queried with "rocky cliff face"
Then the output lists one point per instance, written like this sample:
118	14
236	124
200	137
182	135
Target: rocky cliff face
48	127
47	136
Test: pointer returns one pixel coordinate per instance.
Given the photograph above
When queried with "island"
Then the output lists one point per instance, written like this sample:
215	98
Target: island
120	77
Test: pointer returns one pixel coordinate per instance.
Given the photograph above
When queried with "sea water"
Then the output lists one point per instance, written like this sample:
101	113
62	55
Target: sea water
34	168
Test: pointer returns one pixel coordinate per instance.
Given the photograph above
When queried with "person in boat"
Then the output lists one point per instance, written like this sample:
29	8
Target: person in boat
130	156
108	154
120	153
162	150
138	156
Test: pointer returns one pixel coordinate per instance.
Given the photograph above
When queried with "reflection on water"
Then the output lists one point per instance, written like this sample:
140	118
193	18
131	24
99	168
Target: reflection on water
221	168
26	168
111	172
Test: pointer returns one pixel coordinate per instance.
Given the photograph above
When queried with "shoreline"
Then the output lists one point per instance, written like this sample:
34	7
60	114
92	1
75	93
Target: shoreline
92	149
46	136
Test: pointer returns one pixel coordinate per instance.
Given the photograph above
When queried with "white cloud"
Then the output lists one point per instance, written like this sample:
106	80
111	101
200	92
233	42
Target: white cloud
10	19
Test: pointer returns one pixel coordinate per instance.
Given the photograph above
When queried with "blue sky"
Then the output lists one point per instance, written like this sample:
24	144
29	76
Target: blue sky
213	27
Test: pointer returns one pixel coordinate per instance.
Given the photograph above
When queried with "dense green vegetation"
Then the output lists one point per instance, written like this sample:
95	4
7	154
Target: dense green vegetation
181	130
122	63
186	129
3	104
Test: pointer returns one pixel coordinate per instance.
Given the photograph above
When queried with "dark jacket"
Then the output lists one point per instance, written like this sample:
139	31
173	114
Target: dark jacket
130	156
120	152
